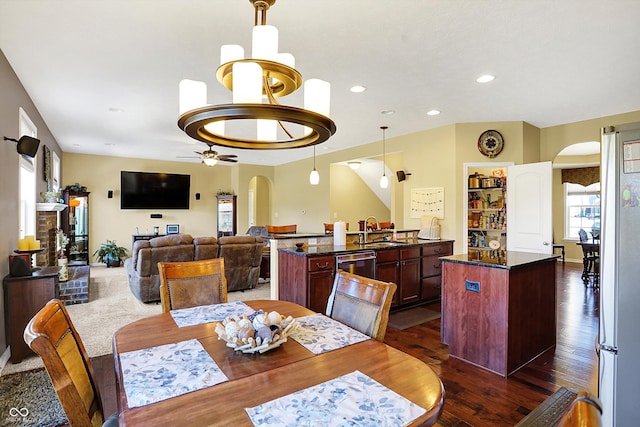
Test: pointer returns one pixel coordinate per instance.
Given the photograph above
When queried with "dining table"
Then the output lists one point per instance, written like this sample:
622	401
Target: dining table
291	378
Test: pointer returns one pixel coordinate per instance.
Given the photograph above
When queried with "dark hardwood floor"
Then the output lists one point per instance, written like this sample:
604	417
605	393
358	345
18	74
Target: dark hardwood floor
473	396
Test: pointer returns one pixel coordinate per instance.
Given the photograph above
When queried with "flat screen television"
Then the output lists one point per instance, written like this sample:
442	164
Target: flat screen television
151	190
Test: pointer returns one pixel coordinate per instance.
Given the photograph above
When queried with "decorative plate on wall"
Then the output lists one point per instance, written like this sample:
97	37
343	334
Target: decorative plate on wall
490	143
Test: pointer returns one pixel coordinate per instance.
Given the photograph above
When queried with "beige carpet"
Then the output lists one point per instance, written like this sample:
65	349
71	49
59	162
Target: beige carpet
111	306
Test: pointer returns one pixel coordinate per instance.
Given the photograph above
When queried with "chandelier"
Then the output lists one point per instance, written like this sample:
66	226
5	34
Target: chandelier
257	83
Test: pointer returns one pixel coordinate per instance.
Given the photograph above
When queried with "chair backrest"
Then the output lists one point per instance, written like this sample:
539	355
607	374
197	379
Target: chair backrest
282	229
53	337
584	411
583	235
361	303
192	283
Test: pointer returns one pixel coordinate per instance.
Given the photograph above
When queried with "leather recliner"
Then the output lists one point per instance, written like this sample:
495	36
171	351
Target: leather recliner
242	256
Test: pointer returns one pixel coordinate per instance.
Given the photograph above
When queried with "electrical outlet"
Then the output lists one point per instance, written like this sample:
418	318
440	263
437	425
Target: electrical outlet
472	286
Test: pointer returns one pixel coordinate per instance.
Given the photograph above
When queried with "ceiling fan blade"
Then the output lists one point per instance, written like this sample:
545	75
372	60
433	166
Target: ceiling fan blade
224	159
227	156
187	157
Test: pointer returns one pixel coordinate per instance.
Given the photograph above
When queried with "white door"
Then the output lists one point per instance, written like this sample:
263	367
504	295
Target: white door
529	212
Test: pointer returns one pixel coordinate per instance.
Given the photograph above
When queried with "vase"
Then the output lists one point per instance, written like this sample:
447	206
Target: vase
63	274
50	196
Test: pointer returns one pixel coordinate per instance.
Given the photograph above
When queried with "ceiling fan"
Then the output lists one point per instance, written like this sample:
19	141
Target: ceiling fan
210	157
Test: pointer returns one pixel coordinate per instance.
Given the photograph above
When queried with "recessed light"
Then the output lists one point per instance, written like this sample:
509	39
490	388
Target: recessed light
116	110
387	112
433	112
358	89
485	78
354	164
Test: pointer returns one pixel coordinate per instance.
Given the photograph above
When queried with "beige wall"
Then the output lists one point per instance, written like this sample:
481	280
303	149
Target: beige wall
14	96
107	221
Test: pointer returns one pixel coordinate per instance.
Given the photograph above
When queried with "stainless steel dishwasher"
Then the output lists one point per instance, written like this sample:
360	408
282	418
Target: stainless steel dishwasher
362	263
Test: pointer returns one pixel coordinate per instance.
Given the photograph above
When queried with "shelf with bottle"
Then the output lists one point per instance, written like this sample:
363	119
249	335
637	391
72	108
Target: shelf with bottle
486	200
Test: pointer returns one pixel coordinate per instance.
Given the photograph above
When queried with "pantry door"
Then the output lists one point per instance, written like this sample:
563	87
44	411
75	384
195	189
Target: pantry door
529	214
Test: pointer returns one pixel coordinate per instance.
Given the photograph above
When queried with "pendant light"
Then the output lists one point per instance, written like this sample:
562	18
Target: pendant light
314	176
384	180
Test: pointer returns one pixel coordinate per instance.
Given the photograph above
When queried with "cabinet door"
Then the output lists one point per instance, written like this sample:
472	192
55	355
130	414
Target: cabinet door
410	279
319	284
389	272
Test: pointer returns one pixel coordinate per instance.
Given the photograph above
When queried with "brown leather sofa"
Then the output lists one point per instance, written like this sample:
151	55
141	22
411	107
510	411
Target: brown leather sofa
142	267
242	256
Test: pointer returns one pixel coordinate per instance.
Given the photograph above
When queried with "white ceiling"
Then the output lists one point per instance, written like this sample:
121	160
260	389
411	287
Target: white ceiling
104	73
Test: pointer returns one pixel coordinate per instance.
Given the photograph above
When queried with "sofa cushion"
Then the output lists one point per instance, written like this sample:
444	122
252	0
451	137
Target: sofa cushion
171	240
137	245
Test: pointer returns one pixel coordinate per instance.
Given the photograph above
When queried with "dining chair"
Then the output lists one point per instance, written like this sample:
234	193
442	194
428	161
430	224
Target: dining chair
361	303
192	283
282	229
52	336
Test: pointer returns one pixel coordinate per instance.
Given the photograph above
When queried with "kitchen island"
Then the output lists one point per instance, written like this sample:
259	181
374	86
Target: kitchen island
499	313
305	274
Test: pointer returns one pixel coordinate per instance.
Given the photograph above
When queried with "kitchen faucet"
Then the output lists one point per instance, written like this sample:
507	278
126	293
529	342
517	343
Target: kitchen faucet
365	226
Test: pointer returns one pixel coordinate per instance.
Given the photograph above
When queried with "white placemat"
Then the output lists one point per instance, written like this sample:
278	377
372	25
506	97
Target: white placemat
319	333
351	400
209	313
166	371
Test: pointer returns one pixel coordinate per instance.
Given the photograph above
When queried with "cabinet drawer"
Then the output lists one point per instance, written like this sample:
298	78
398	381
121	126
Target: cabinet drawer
431	266
441	249
321	263
408	253
431	287
387	255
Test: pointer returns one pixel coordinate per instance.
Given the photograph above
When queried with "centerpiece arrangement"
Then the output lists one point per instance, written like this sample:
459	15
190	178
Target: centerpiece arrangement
257	332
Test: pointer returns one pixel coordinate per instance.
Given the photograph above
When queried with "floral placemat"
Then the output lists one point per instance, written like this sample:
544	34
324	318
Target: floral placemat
158	373
351	400
209	313
319	333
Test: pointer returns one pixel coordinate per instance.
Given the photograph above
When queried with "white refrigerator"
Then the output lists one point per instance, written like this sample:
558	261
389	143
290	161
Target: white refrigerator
619	334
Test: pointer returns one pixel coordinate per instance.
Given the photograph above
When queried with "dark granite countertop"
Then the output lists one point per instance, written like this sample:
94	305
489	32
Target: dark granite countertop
283	236
512	259
333	250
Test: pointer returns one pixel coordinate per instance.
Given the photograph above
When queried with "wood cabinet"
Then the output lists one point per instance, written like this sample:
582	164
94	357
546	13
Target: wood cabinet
306	280
227	215
499	317
409	275
431	269
74	222
23	298
388	269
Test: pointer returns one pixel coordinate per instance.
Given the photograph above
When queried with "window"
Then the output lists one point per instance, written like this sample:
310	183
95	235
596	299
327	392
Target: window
582	209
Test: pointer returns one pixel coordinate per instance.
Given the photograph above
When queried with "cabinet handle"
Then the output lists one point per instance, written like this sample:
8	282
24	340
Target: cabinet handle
437	250
322	267
436	265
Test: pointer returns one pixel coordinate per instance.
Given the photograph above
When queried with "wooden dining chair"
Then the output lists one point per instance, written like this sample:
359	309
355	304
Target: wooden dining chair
282	229
53	337
192	283
361	303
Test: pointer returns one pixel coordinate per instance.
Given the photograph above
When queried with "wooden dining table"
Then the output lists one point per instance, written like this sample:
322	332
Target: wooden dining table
256	378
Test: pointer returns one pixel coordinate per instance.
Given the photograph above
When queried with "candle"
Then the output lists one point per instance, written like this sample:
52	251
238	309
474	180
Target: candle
29	239
34	245
23	245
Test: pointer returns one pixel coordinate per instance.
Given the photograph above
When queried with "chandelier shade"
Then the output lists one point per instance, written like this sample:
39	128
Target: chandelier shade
256	84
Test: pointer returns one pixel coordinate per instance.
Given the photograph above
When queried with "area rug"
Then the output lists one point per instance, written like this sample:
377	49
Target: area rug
412	317
28	399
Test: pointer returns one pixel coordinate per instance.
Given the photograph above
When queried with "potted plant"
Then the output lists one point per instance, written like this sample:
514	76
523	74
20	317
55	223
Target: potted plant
110	253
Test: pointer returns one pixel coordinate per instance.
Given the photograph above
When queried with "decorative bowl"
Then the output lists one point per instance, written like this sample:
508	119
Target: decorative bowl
299	245
257	332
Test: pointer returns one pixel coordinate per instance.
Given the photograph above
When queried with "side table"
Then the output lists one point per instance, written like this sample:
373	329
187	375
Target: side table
23	298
